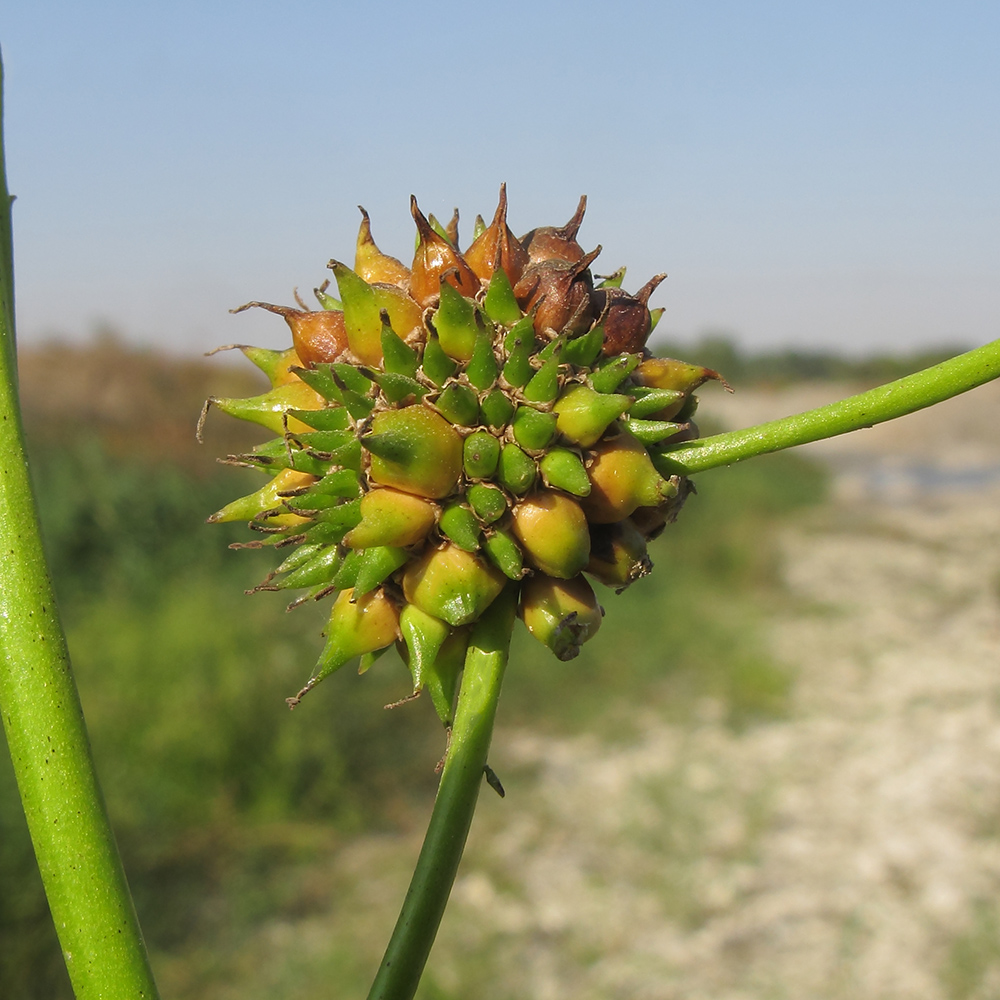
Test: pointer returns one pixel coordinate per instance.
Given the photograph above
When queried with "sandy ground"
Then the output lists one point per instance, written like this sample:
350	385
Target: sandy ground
850	850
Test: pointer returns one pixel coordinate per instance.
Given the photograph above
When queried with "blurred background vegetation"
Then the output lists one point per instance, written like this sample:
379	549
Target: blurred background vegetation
222	799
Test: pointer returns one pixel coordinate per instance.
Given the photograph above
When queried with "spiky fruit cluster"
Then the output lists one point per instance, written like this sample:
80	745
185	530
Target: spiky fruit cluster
477	420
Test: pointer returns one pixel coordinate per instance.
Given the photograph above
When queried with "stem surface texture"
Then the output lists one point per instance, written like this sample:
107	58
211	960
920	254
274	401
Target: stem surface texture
75	847
894	399
411	941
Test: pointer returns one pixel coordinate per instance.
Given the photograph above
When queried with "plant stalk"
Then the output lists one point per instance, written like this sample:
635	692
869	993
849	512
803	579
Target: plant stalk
75	847
894	399
410	944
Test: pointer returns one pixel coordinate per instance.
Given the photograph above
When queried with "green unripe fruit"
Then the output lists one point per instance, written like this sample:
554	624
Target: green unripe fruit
561	614
533	429
553	532
585	414
355	628
516	470
488	502
496	409
618	554
481	453
652	431
482	370
656	404
500	304
544	384
504	553
460	404
460	525
613	373
452	584
266	498
424	635
390	517
622	478
437	366
415	450
362	319
562	469
520	345
377	564
455	323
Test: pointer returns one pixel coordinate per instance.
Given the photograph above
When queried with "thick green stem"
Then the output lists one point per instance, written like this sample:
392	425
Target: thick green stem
77	855
895	399
411	941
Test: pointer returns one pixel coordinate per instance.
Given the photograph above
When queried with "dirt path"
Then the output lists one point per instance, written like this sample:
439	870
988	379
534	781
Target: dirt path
852	850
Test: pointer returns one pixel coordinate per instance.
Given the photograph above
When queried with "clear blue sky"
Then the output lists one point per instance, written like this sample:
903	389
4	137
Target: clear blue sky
808	173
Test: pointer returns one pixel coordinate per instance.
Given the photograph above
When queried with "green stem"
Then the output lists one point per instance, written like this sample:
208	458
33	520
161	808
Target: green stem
895	399
77	855
411	941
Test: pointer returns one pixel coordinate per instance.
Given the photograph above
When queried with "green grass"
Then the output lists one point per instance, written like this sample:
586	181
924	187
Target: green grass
225	802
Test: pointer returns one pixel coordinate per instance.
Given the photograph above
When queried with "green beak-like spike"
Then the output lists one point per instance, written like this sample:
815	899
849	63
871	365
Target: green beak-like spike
362	320
504	553
328	302
348	572
516	470
533	429
396	388
459	404
519	345
652	431
585	414
424	635
488	502
367	660
455	322
268	409
500	304
356	627
460	525
583	351
496	409
562	469
544	384
340	483
613	280
377	563
649	402
274	364
479	228
321	568
299	557
655	315
481	453
611	375
482	369
398	357
438	367
330	418
441	680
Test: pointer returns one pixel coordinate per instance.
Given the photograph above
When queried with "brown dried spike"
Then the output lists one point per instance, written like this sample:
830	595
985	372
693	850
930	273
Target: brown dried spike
452	229
556	242
625	317
318	337
497	247
372	265
560	293
435	260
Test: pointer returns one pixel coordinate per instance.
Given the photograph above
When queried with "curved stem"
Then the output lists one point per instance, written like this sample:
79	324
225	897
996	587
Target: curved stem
411	941
932	385
75	847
